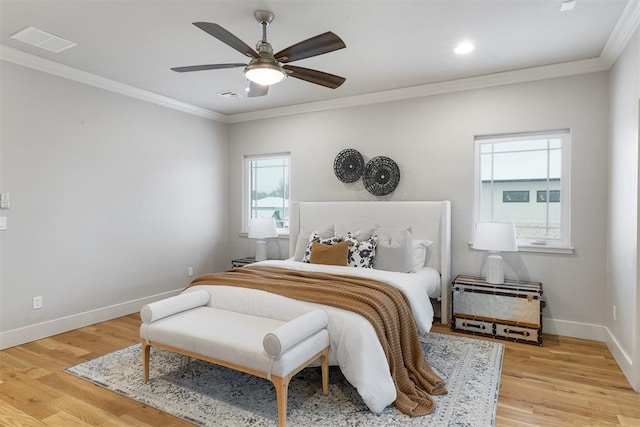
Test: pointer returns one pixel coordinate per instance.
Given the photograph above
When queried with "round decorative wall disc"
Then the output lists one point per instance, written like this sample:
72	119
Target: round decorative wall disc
348	165
381	176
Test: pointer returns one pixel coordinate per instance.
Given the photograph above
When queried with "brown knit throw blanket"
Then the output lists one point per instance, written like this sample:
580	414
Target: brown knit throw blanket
381	304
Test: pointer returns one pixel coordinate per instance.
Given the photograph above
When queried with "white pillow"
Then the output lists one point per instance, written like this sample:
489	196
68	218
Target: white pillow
303	240
394	251
419	254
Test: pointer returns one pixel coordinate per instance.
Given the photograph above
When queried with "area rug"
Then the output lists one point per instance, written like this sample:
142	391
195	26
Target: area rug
208	395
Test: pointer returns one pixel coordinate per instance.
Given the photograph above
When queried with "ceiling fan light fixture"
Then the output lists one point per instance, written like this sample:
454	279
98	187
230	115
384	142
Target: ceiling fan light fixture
264	73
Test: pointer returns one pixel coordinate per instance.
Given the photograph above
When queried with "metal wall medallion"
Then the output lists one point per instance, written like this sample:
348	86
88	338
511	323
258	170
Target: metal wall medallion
348	165
381	176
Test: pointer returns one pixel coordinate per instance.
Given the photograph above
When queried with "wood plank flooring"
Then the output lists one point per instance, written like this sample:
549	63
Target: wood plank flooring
568	381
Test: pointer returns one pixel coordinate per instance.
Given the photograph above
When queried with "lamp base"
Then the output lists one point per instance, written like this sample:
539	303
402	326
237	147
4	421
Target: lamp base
495	273
261	250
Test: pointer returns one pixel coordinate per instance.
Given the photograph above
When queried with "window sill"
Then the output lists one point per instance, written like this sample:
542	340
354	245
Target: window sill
546	249
284	235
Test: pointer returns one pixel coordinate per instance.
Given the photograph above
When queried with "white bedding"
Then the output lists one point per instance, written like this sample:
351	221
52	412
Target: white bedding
354	345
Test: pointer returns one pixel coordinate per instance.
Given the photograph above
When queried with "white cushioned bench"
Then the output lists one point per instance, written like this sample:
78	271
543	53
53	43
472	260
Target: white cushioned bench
267	348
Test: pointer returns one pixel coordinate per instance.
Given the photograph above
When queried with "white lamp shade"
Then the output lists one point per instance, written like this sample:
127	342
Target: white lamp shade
495	237
262	228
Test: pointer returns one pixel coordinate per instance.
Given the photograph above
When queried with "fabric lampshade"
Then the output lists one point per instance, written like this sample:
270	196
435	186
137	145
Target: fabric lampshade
495	237
262	228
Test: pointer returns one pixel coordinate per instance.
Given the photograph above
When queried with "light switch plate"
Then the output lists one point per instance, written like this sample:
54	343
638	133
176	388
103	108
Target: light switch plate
3	222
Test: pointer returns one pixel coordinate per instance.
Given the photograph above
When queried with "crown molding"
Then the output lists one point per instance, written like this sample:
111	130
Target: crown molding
622	32
28	60
490	80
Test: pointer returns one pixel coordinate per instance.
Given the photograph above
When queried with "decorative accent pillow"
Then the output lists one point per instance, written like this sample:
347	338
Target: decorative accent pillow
335	254
394	251
361	253
303	240
362	234
315	237
419	254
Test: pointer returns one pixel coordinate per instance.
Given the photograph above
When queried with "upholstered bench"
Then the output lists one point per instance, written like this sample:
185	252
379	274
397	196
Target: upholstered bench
267	348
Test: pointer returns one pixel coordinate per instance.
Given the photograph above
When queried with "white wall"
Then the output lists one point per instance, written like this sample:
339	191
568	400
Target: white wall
622	225
431	139
112	199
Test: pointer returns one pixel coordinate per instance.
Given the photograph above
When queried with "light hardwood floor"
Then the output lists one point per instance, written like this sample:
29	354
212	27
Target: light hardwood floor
566	382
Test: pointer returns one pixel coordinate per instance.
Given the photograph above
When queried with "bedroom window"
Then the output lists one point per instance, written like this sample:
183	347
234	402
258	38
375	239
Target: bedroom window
267	189
509	168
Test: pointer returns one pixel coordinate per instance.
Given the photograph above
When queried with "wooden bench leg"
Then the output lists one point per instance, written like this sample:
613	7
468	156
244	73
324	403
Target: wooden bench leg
324	359
282	389
146	348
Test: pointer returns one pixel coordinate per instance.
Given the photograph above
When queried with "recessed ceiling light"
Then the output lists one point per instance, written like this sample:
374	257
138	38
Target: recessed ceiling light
464	48
567	5
43	40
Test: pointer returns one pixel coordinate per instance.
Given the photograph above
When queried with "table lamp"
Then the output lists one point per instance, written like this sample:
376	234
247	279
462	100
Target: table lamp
262	228
495	237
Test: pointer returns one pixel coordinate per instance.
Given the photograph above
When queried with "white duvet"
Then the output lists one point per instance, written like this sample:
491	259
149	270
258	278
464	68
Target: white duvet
354	345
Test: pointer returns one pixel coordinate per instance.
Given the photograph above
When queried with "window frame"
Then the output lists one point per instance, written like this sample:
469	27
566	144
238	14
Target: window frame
246	188
561	245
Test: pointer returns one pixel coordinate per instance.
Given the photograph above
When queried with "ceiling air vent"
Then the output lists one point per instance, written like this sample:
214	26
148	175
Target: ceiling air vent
43	40
229	94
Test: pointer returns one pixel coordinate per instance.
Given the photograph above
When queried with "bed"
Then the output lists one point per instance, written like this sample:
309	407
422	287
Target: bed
430	220
355	347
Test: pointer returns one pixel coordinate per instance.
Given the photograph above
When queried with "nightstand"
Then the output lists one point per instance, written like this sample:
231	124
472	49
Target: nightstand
511	311
241	262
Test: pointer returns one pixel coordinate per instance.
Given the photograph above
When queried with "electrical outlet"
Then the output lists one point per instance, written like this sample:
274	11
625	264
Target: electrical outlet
190	272
614	312
37	302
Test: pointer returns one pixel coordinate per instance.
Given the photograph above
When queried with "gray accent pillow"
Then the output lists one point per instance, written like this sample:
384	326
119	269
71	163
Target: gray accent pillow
360	235
394	251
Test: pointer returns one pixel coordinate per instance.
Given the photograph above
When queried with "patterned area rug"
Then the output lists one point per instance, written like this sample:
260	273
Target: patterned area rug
209	395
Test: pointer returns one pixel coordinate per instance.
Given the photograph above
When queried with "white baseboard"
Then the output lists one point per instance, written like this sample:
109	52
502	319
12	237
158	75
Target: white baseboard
64	324
587	331
622	358
597	333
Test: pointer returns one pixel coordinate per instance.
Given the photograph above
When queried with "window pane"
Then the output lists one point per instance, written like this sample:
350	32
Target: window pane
268	192
511	170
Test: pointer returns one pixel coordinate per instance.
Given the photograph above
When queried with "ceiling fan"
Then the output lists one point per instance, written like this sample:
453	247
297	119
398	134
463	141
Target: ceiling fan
266	68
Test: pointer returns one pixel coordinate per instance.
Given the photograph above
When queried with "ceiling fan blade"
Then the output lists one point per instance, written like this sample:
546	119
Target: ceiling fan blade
226	37
314	76
323	43
206	67
257	90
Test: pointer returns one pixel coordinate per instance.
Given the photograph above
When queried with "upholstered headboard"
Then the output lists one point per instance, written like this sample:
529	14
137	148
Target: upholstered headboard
428	220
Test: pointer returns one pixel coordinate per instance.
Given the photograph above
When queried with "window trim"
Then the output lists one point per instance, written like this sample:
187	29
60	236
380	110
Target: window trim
246	193
562	245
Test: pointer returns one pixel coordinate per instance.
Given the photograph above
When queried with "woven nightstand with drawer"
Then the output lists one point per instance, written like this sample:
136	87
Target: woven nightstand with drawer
511	311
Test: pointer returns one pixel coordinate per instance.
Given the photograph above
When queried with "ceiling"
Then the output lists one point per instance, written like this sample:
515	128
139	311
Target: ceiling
390	44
